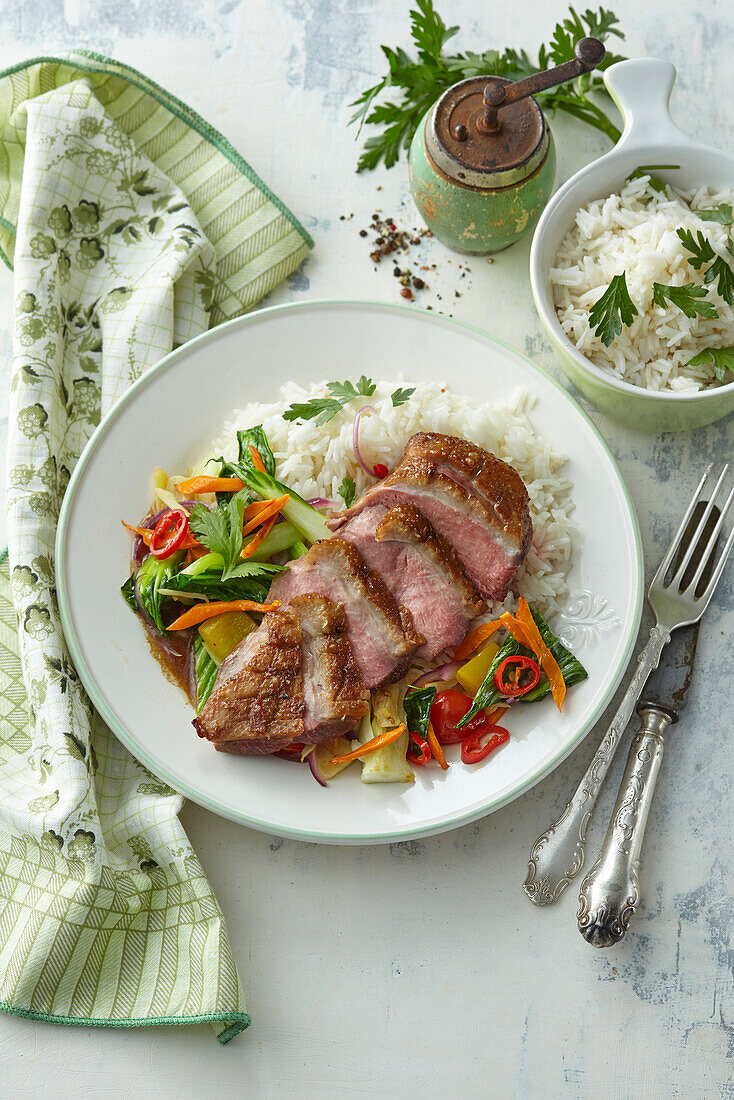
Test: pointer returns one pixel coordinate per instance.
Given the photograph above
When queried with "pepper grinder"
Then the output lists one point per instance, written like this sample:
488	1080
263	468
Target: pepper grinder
482	161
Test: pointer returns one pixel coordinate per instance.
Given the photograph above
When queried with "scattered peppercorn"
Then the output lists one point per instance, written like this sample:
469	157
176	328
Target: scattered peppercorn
406	292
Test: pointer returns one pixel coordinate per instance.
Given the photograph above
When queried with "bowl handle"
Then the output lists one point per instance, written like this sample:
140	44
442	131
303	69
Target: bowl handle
641	89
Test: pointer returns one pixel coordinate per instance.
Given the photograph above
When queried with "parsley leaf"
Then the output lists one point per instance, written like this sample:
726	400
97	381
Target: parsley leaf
685	297
220	530
721	214
416	81
721	359
614	309
401	396
345	391
724	276
347	491
655	182
323	409
700	248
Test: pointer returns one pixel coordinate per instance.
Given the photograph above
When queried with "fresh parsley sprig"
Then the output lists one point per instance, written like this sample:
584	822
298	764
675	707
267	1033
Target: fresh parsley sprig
687	298
419	80
347	491
721	359
220	530
401	396
721	214
698	246
614	309
323	409
721	273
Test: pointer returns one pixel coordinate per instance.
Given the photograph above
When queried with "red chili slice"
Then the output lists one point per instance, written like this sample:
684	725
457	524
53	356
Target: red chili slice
521	664
169	533
472	750
419	751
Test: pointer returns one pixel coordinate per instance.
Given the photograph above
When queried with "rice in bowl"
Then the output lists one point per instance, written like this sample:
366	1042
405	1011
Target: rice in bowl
634	231
316	459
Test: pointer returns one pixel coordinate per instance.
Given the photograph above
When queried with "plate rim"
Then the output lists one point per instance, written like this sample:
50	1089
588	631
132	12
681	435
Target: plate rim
241	817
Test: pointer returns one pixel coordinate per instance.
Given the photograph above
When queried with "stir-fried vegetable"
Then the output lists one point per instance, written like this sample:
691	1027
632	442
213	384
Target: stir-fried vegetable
306	520
282	537
375	743
513	688
389	763
475	638
151	577
206	583
169	534
532	638
472	673
205	672
570	667
202	611
472	749
435	747
128	593
223	633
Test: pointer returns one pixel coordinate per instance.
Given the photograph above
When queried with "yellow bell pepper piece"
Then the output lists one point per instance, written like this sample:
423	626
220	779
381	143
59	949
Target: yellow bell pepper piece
222	633
472	673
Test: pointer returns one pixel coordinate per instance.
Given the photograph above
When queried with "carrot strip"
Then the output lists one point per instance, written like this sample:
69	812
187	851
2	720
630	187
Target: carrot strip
371	746
518	630
145	534
547	660
255	508
475	639
255	541
197	485
436	748
257	462
272	509
202	611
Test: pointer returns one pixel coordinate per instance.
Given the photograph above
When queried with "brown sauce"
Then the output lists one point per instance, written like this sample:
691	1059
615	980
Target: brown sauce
175	654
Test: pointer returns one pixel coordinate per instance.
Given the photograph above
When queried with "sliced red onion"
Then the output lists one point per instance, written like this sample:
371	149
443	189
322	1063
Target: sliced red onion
315	770
321	502
355	438
444	672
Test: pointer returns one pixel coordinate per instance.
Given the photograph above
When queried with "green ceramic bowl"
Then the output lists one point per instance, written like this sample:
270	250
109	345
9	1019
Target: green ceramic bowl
641	89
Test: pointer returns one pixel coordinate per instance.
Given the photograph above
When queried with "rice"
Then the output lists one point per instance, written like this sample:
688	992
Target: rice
634	231
315	460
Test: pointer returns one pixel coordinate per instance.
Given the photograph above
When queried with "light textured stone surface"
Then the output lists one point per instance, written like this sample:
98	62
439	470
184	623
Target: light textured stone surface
420	968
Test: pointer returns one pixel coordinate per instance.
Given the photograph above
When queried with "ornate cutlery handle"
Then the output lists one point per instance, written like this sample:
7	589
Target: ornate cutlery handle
558	854
610	892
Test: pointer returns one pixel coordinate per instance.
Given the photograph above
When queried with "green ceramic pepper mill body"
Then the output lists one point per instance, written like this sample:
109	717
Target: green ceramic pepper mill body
482	161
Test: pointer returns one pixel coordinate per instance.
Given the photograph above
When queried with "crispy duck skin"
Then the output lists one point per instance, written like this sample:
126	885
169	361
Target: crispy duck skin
334	691
257	704
381	633
420	569
490	540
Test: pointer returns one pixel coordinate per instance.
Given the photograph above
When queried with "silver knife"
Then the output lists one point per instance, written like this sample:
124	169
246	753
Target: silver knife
610	892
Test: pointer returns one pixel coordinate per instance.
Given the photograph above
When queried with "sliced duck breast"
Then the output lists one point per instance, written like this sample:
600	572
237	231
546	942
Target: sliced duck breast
257	703
420	569
334	692
380	632
490	539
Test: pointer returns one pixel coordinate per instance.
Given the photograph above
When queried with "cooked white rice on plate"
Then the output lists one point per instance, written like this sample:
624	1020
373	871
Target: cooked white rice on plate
315	460
634	230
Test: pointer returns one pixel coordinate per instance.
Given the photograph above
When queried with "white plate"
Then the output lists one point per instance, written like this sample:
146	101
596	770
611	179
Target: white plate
168	416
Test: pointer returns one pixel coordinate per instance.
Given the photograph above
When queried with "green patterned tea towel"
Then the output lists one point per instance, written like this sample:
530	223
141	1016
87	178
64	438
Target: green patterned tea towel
132	226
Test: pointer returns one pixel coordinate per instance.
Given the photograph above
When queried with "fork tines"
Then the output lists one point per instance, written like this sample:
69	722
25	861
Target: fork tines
692	550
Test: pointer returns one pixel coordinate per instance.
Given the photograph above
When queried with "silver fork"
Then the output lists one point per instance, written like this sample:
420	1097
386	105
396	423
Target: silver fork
558	854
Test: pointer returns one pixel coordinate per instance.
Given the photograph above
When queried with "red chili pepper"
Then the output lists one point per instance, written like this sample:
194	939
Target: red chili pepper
419	751
521	664
449	707
169	533
472	750
380	470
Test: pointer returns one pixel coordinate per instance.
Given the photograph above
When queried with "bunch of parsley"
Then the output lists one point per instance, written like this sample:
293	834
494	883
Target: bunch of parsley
420	80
